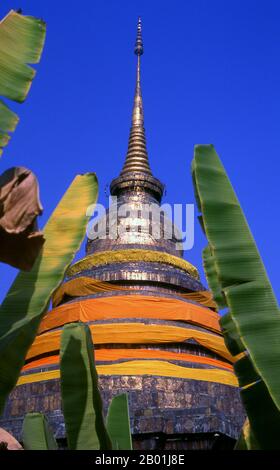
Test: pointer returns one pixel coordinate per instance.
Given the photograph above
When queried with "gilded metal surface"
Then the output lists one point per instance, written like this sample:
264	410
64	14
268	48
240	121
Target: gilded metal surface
136	174
137	183
138	189
138	49
137	219
155	274
122	256
137	156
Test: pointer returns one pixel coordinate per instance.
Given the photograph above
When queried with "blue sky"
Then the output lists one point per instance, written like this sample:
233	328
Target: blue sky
210	74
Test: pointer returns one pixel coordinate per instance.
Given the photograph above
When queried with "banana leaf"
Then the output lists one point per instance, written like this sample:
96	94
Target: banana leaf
212	277
231	334
36	433
243	282
234	344
246	439
118	424
253	390
28	298
21	43
81	400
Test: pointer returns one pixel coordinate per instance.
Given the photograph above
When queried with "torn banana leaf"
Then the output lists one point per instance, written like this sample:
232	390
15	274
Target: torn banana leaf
118	423
21	43
241	280
36	433
28	299
81	400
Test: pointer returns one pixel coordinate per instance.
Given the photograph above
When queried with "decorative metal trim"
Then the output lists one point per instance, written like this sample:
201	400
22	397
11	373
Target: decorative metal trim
122	256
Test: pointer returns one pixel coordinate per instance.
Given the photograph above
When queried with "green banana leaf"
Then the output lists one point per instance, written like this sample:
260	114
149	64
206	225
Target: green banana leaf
28	298
81	400
36	433
234	344
212	277
242	280
118	424
21	43
246	439
260	416
231	334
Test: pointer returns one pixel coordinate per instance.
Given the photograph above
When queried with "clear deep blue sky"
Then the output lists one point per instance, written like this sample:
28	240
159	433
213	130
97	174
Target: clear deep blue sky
210	74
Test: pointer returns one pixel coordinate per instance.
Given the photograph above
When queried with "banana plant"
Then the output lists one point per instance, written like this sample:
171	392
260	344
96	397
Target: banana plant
81	403
239	282
21	43
28	298
36	433
81	399
118	424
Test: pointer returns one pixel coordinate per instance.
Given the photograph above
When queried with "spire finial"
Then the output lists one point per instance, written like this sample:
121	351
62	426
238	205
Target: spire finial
138	50
137	156
136	174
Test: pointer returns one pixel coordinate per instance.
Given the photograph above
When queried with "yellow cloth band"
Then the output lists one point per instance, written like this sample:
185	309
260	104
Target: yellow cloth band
83	285
129	333
103	355
157	368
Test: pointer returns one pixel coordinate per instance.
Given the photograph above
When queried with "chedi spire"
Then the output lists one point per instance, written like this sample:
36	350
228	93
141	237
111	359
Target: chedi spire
137	156
136	174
